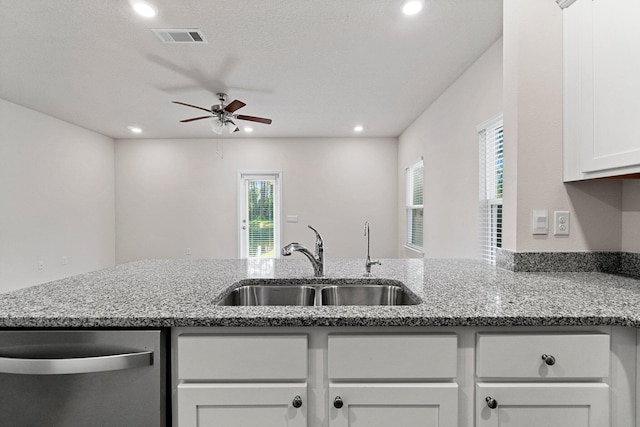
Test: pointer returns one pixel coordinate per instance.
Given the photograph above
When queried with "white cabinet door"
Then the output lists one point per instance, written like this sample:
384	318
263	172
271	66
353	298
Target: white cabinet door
602	82
391	405
241	405
543	404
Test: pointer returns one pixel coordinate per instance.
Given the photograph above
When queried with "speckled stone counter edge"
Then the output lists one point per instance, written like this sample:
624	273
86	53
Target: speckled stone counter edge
175	293
626	263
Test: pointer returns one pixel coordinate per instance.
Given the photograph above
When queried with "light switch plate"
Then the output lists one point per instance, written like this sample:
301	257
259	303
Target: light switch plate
540	223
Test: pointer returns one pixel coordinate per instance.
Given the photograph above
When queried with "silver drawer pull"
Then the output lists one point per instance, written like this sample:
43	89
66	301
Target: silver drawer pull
491	402
548	359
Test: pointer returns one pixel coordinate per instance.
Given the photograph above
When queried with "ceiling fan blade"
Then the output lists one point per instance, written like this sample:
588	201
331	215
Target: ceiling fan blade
189	105
235	105
195	118
254	119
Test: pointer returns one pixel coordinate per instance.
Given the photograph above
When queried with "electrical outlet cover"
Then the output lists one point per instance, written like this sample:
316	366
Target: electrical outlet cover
561	223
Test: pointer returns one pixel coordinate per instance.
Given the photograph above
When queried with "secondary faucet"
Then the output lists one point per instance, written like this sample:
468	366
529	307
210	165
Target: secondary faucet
317	259
369	263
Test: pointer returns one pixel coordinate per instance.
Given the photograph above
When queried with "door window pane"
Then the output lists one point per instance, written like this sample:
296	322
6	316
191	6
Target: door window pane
260	218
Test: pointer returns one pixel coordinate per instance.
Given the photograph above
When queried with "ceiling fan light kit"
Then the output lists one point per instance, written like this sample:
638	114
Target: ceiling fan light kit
219	127
222	116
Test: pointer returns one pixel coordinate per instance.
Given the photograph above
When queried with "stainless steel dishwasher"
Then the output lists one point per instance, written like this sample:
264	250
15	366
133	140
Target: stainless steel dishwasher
113	378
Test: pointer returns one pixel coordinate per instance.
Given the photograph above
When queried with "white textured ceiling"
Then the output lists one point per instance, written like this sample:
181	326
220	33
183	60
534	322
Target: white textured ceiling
316	67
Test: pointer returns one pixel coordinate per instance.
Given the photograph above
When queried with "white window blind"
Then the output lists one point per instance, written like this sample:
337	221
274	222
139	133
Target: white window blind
491	173
415	206
259	216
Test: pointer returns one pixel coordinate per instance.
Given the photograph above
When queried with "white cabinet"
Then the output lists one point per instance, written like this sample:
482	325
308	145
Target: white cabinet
242	405
542	404
242	380
601	86
333	379
371	357
384	405
370	378
522	356
553	380
408	376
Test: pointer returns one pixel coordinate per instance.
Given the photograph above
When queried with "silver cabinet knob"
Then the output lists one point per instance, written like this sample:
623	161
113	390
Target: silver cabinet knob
548	359
491	402
338	403
297	402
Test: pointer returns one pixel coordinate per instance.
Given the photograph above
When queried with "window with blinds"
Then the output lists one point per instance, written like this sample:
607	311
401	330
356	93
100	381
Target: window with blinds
415	206
491	172
259	222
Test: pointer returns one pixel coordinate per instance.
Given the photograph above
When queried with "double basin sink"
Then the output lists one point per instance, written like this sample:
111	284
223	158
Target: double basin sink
327	293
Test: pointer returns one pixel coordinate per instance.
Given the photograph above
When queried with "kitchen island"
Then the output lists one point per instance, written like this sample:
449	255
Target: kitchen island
173	293
484	345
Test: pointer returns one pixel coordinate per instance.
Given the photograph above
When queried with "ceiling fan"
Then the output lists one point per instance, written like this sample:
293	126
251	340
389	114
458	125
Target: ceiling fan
222	115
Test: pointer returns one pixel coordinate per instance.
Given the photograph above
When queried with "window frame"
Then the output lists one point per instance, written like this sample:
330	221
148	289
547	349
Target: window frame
491	187
243	178
410	207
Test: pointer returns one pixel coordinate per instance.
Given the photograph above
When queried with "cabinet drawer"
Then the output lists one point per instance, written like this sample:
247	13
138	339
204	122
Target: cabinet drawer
398	356
242	357
521	356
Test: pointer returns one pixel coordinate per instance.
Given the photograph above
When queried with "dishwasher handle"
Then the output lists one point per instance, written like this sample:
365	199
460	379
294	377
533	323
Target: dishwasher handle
75	365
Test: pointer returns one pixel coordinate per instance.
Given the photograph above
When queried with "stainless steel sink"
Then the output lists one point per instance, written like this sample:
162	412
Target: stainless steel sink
325	292
270	295
366	295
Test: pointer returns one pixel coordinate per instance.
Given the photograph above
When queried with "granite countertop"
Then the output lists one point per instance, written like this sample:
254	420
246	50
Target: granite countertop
170	293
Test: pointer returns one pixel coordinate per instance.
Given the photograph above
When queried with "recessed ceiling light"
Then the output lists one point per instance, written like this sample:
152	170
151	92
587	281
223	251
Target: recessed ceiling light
144	9
135	129
358	128
411	7
248	129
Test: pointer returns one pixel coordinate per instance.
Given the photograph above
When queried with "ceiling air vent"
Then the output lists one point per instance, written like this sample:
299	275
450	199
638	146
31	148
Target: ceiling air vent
180	35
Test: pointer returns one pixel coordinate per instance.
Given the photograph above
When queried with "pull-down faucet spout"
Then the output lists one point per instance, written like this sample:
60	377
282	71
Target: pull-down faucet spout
317	259
368	263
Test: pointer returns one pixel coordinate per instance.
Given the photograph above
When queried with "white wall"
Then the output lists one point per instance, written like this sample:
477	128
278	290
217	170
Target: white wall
56	198
533	141
175	194
446	136
605	214
631	216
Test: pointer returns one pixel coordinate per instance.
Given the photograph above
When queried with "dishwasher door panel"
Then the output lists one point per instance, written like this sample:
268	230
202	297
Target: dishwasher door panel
122	382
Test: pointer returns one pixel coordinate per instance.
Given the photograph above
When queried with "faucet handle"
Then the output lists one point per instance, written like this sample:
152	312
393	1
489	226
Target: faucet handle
315	231
319	243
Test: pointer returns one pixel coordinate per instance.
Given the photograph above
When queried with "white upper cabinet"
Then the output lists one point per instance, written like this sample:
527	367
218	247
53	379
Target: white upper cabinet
601	89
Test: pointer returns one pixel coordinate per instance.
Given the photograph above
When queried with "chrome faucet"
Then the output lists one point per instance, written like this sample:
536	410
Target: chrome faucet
317	259
369	263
